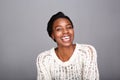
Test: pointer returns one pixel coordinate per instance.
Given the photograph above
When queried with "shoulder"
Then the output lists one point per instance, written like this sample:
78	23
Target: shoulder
87	50
86	47
44	56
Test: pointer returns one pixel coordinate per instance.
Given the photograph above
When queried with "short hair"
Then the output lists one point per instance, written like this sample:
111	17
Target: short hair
53	18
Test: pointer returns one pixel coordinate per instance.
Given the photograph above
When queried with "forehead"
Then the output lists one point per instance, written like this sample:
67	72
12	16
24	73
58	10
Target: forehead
61	20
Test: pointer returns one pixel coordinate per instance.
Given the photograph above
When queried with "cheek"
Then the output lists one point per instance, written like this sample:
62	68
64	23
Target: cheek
57	34
72	32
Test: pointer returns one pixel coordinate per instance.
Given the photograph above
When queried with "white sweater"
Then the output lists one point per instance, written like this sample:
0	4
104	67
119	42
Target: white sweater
81	66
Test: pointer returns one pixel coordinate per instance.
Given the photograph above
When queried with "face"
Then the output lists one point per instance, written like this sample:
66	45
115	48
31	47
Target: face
63	32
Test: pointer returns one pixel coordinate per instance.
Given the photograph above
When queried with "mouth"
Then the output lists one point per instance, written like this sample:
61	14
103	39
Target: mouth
66	38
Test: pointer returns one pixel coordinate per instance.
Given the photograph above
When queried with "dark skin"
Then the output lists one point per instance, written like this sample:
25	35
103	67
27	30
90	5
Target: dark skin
64	54
63	33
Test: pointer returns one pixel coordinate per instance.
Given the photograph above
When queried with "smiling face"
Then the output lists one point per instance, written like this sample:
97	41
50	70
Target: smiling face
63	32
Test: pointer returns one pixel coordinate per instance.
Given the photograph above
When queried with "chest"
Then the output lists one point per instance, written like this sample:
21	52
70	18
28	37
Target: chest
72	71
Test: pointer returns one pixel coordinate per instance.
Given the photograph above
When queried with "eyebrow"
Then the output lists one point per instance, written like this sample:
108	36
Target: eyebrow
60	26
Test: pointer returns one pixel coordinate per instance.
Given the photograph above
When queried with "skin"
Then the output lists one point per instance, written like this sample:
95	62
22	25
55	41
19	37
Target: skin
63	33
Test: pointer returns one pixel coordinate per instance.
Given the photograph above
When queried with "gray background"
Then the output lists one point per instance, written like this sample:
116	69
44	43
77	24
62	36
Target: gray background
23	33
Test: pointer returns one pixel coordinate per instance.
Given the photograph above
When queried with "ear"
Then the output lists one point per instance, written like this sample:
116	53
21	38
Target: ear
52	36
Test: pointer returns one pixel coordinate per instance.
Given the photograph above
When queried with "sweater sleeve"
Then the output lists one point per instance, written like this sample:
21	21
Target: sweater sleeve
90	68
42	71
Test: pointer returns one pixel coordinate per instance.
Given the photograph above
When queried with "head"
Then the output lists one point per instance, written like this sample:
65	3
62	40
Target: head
59	21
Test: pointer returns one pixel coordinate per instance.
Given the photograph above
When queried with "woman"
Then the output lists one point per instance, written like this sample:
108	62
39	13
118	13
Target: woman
67	61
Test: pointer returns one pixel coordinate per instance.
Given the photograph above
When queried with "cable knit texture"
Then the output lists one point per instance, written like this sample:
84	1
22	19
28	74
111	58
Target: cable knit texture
81	66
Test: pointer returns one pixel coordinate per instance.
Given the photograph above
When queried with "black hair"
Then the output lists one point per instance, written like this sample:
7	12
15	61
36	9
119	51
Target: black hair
52	19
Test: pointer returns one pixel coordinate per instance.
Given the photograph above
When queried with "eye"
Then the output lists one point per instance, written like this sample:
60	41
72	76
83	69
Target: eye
69	27
58	28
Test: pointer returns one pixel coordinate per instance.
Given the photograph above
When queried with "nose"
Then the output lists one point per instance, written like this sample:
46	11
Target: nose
65	30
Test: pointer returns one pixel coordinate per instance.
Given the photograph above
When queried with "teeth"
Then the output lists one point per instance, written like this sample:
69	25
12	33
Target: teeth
66	38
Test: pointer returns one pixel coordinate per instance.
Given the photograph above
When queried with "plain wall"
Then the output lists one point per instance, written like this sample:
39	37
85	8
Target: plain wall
23	34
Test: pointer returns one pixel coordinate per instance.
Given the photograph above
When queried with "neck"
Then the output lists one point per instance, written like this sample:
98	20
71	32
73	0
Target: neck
64	53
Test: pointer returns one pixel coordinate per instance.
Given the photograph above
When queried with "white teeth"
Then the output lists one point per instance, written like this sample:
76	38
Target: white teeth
66	38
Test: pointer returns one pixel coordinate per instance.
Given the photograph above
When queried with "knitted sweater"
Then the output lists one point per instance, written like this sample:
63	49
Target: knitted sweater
82	65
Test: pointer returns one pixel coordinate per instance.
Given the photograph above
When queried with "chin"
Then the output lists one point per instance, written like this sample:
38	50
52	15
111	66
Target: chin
67	44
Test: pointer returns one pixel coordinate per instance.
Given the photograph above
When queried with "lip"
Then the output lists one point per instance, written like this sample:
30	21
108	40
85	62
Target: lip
65	38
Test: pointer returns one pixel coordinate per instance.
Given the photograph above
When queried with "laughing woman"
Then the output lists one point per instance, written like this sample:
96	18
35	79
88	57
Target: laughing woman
67	61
